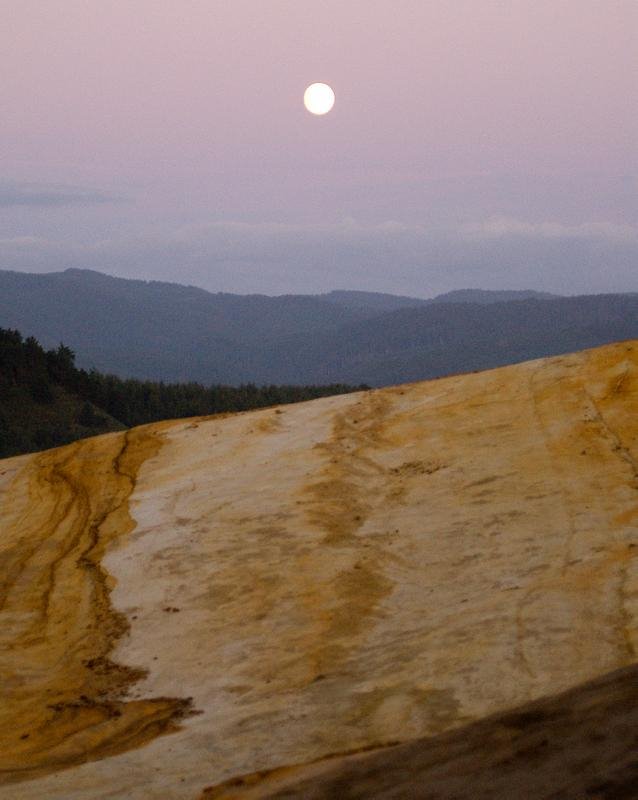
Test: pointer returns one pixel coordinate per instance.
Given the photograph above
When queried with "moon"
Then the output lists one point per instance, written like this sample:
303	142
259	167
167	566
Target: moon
319	98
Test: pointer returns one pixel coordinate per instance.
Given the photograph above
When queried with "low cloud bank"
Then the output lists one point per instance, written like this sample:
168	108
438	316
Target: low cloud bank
409	259
50	195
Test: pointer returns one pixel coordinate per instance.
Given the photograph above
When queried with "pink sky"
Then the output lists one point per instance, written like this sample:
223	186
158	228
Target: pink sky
448	112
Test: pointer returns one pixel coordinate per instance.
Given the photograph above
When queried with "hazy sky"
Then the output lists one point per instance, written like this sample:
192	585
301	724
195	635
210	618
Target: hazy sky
486	143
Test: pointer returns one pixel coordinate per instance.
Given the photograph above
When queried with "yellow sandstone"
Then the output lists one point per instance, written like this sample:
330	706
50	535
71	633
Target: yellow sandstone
407	592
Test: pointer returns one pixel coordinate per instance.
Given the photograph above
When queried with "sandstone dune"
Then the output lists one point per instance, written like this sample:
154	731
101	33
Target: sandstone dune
425	591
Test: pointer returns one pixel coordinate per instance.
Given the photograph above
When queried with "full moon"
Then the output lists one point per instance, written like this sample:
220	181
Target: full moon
319	98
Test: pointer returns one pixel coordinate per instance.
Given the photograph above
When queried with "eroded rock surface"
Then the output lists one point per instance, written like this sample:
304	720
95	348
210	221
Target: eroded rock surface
309	596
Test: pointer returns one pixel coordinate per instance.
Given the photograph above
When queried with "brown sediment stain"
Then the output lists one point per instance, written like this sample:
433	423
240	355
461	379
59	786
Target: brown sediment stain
417	468
626	517
253	784
338	503
269	424
57	624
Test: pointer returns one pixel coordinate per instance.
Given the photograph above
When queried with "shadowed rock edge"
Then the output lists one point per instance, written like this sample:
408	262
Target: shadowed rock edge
582	743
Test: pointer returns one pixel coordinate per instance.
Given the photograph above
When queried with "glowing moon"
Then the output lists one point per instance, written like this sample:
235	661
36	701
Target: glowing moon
319	98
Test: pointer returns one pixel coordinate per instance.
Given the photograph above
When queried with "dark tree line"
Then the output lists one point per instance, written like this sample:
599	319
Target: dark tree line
34	382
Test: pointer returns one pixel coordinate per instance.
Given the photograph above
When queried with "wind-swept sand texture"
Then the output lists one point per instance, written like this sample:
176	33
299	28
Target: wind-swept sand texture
361	596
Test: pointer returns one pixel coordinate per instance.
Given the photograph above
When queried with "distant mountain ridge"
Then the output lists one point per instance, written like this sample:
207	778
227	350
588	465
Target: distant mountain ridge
443	339
164	331
155	330
485	297
391	302
378	301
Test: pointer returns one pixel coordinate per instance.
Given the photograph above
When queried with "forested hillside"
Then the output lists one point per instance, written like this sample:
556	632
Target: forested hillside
414	344
159	331
46	401
167	332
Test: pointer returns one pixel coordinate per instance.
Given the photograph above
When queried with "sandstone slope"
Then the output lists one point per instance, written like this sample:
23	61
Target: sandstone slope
365	595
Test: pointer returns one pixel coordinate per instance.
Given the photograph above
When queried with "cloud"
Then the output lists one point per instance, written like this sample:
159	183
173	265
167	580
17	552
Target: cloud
499	227
19	241
276	258
50	195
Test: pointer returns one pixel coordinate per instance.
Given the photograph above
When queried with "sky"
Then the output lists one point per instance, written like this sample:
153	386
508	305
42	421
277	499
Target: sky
473	143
